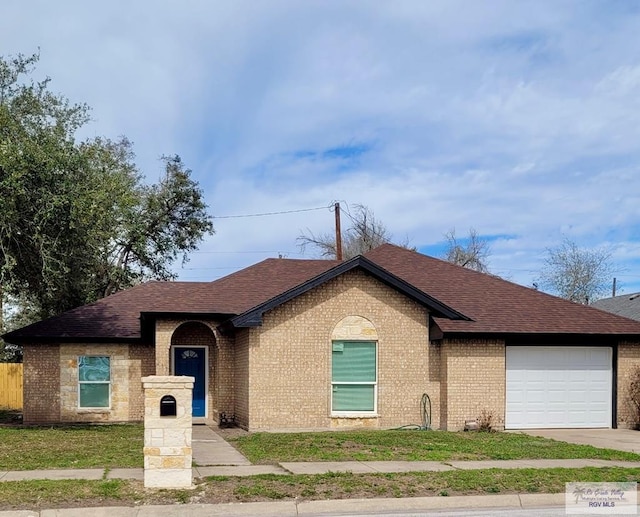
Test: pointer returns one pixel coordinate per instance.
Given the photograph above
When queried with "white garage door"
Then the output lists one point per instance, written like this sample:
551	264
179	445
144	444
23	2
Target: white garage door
552	387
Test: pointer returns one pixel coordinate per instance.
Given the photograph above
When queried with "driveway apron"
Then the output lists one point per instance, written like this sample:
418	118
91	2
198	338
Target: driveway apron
618	439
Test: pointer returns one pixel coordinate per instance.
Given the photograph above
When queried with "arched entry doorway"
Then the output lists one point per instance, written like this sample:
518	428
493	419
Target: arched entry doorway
190	346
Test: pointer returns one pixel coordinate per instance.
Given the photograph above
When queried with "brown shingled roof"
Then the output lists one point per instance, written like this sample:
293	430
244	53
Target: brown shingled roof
493	305
118	315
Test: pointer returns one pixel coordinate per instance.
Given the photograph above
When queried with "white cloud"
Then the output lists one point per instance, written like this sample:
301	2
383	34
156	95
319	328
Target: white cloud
516	121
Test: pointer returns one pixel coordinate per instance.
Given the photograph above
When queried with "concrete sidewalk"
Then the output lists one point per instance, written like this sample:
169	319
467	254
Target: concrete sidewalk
309	508
312	468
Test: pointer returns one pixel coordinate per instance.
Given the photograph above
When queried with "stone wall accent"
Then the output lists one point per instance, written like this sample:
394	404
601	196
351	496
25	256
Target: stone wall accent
290	357
167	439
628	362
51	382
41	384
473	381
120	377
354	328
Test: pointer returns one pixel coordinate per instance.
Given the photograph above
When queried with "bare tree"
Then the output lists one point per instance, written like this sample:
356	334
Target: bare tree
471	254
577	274
364	233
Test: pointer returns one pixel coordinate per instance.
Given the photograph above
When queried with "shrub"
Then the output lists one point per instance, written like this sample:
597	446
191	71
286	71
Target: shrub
634	396
485	421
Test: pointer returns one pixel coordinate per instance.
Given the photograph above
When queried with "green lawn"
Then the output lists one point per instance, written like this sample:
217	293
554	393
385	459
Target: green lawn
110	446
29	448
412	446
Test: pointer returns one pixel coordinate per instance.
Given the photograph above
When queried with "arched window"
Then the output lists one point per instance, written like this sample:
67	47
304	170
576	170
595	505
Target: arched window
354	367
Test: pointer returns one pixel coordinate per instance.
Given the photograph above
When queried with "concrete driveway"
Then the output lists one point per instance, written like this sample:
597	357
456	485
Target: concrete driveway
619	439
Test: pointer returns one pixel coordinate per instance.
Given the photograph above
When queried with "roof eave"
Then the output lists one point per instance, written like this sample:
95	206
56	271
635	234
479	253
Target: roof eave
187	315
23	340
556	337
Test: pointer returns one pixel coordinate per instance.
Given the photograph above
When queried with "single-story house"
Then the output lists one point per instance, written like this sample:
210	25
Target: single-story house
318	344
627	305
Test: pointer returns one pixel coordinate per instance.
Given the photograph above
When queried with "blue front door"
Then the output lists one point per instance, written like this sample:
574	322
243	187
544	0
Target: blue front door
190	361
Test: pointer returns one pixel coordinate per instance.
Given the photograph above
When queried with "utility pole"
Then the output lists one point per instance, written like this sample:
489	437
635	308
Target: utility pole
614	287
338	232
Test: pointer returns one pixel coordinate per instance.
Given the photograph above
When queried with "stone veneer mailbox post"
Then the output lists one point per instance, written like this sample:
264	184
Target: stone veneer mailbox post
167	431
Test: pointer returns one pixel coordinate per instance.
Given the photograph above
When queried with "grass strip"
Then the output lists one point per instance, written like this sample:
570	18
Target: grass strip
60	447
418	484
270	448
16	495
55	494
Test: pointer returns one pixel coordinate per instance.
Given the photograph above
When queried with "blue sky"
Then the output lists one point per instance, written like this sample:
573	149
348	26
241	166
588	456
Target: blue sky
519	119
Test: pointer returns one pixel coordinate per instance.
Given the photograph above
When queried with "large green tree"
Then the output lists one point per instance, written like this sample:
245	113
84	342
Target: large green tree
77	221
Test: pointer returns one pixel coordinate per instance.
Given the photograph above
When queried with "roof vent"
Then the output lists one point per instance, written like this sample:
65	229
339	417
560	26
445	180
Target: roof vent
634	296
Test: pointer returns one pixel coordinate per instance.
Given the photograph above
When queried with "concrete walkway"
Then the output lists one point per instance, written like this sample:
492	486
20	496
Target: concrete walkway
210	449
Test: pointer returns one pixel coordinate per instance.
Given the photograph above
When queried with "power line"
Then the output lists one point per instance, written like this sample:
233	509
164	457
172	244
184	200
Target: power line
208	268
249	252
269	213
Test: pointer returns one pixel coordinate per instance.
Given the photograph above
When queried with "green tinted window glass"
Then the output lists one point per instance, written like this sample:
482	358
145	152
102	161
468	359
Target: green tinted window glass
354	361
92	368
94	375
353	397
94	395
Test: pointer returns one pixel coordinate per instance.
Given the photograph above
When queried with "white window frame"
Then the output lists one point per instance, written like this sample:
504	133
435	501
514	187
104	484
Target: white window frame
354	413
103	408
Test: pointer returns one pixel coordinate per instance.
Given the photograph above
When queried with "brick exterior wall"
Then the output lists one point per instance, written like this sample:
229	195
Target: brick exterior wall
278	376
290	359
242	376
473	382
225	378
164	333
628	362
41	384
142	362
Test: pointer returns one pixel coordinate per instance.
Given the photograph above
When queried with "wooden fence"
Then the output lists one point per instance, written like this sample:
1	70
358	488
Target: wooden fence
11	385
